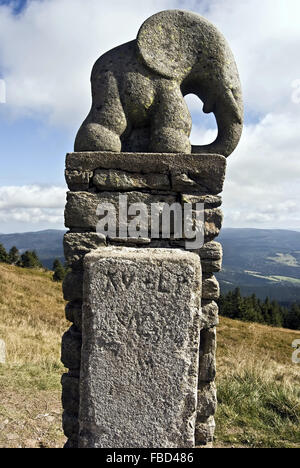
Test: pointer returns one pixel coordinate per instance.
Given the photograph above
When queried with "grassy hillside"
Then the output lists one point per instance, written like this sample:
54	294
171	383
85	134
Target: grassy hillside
258	386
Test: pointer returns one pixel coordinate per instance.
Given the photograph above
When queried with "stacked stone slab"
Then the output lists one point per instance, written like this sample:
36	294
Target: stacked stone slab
97	177
139	359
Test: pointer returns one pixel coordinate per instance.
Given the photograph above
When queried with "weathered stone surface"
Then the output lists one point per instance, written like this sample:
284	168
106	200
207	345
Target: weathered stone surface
205	431
138	89
211	257
209	318
130	241
81	208
209	201
120	180
210	288
213	222
72	286
74	313
71	427
2	352
207	401
207	356
207	170
71	348
211	251
139	365
70	393
78	180
211	266
77	245
71	443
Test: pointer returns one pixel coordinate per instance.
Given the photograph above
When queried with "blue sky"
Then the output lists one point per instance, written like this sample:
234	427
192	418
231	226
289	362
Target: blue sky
16	5
47	49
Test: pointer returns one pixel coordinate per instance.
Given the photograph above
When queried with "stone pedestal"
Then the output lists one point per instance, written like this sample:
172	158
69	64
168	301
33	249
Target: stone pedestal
139	359
97	177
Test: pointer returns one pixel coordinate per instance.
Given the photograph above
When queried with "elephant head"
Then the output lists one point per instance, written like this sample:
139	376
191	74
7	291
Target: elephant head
187	48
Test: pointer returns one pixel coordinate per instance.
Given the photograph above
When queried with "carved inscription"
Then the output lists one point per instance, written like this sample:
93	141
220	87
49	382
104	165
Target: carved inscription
165	282
139	367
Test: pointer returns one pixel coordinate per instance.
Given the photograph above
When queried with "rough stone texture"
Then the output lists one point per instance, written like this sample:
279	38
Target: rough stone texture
72	286
77	245
81	208
205	431
70	394
121	180
209	170
138	89
2	352
213	223
74	313
210	288
207	401
207	357
211	255
71	427
206	170
211	251
209	201
78	180
209	318
139	362
71	348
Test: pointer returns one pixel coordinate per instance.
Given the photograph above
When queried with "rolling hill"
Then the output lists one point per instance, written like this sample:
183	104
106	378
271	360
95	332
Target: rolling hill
261	261
47	244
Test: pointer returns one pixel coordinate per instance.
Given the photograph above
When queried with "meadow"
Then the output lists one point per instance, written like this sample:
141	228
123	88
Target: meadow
258	385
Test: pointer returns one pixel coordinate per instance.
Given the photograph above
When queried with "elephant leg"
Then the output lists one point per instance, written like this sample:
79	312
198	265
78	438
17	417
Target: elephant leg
106	122
171	122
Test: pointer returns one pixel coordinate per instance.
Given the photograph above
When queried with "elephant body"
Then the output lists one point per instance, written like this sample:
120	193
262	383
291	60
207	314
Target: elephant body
138	89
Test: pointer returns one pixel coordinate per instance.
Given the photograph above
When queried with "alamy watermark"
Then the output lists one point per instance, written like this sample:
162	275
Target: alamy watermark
159	221
2	92
296	93
296	353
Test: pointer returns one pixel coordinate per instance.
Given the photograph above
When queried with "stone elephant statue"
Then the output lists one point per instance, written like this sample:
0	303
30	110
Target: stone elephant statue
138	89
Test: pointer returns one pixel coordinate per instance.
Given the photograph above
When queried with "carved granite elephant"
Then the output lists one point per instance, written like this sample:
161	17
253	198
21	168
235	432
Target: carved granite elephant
138	89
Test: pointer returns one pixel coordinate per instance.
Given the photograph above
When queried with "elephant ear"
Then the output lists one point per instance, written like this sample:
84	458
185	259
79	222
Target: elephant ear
170	42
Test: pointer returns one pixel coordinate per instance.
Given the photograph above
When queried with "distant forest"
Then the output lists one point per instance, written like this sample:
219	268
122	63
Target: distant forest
30	259
232	305
251	309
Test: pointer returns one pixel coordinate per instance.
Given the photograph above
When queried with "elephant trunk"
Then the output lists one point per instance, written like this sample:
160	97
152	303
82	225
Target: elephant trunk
229	116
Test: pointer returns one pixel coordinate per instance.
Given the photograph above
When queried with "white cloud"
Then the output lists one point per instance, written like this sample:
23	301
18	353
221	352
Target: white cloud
28	207
47	53
263	174
265	38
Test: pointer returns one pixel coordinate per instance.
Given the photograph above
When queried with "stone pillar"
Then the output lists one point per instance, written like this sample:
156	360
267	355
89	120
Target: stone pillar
139	360
98	177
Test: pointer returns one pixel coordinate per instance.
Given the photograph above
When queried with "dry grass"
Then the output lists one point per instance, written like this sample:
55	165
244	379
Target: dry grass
257	348
258	386
32	323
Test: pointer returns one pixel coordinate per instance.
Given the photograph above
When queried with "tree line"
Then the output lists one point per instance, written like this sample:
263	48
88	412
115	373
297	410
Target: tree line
251	309
30	259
